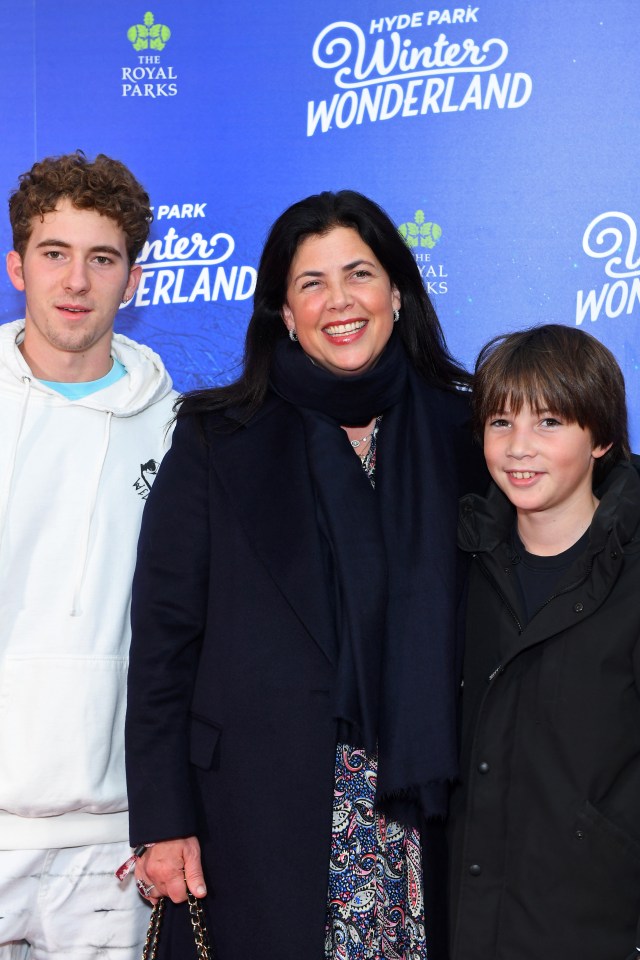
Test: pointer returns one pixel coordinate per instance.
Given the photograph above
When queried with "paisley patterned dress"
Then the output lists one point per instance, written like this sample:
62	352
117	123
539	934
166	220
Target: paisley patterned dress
375	905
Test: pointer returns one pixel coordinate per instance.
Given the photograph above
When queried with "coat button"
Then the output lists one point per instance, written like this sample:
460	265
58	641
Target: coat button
614	555
578	607
579	835
483	767
475	870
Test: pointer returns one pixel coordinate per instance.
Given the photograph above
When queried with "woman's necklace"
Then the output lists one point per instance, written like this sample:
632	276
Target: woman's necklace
357	443
368	458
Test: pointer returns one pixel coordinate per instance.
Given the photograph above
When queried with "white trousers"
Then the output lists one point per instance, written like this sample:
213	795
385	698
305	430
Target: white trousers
68	904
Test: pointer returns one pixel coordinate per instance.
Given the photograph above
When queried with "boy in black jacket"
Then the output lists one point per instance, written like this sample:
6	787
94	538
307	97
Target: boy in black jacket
546	851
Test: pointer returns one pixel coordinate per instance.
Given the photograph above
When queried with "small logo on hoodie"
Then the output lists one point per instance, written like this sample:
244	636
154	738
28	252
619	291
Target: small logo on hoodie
142	485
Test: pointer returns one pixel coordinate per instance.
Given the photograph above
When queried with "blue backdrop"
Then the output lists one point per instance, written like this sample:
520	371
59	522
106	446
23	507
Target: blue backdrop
503	137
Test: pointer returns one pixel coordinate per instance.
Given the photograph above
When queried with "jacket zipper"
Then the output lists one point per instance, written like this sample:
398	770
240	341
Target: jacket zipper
494	583
570	586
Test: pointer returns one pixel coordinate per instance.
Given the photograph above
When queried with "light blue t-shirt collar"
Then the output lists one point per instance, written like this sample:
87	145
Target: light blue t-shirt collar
77	391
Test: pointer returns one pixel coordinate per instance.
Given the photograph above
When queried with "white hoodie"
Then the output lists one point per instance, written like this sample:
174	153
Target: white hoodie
74	476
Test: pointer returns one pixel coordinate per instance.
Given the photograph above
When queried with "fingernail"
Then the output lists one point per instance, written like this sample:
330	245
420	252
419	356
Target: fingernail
201	891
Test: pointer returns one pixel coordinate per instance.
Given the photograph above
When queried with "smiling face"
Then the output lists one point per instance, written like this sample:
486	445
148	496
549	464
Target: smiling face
542	462
75	272
340	301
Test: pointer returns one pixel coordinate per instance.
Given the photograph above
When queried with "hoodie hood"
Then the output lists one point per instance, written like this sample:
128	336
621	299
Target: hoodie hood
147	382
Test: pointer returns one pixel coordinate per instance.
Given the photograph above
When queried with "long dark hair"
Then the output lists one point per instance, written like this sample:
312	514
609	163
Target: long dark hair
418	327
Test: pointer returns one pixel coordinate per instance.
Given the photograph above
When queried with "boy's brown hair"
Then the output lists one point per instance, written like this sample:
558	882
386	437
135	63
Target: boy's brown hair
103	185
560	369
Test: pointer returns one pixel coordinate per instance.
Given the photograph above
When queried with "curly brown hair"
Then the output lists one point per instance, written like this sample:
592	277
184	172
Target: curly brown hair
103	185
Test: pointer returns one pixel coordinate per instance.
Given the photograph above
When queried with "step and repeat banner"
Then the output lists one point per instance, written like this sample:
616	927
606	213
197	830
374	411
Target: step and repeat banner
502	137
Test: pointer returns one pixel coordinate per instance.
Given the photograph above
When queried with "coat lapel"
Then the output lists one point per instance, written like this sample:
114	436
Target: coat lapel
263	468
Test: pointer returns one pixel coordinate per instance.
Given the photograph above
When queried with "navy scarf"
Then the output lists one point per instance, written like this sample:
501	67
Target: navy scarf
393	567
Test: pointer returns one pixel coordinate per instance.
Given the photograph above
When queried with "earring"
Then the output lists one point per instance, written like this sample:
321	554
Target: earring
126	300
293	336
396	316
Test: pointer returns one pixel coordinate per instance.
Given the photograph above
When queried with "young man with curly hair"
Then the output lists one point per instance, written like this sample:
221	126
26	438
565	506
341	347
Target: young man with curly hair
84	417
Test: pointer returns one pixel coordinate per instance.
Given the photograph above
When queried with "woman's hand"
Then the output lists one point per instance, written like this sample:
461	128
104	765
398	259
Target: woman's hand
163	870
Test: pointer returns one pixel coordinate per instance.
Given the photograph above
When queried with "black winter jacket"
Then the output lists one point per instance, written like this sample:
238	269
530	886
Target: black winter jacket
546	821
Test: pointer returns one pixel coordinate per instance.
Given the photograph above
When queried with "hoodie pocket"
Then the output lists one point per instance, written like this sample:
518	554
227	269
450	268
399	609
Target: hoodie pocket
62	735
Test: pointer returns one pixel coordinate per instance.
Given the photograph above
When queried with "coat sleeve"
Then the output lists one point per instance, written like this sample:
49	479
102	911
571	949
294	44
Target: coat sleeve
169	604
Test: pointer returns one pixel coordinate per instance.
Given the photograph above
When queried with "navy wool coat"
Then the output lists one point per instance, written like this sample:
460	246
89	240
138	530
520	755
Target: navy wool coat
230	735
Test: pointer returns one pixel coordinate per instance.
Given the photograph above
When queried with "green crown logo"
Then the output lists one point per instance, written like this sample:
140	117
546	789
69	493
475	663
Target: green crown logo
420	232
148	35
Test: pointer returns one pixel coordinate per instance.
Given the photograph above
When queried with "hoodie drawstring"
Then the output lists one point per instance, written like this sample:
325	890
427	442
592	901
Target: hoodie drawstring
76	609
6	489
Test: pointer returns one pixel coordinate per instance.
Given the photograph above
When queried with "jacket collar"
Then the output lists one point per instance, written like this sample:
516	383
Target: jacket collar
619	508
485	530
485	522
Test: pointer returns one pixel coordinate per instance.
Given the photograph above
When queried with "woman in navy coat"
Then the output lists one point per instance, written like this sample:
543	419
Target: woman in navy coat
291	712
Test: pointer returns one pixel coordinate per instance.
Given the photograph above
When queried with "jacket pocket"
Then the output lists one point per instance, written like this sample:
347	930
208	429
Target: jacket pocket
204	739
591	823
600	877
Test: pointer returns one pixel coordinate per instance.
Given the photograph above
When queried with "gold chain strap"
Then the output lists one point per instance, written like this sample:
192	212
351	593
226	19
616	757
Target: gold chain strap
196	915
153	932
200	936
